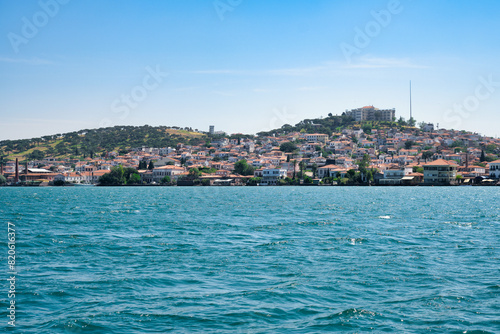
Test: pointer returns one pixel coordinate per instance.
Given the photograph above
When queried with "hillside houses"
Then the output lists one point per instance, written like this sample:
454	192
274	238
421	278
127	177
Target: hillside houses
392	157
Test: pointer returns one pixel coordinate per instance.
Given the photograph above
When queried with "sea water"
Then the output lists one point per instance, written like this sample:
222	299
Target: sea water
253	259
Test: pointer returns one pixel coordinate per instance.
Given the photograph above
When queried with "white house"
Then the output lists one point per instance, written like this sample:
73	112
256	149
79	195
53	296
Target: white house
271	176
69	177
316	137
326	171
158	173
166	150
395	175
495	169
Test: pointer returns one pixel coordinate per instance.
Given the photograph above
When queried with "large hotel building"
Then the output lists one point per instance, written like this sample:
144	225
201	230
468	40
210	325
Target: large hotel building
370	113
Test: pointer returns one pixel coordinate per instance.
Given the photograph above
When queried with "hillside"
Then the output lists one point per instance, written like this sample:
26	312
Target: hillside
337	123
94	142
97	142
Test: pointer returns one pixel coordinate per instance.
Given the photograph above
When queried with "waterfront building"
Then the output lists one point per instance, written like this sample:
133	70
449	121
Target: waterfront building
327	171
495	169
440	172
394	175
158	173
271	176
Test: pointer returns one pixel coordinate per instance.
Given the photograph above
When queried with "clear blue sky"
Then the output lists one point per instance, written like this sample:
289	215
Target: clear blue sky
244	65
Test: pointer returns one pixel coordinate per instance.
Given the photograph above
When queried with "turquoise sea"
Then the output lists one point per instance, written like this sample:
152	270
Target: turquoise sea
253	259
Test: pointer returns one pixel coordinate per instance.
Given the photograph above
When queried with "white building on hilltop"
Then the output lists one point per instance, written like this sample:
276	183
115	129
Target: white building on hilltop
370	113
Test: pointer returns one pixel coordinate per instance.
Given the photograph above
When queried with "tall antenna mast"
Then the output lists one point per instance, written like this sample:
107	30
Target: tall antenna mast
411	115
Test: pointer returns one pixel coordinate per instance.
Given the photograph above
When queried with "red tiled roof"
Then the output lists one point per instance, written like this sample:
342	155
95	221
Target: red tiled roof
441	162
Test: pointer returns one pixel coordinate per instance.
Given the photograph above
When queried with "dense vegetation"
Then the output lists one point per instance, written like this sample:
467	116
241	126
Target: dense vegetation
94	142
120	176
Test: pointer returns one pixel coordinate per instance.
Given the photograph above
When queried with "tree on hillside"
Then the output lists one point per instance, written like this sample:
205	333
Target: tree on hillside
131	174
409	144
417	169
351	173
120	176
134	178
401	121
483	157
36	155
288	147
194	173
363	165
369	175
114	178
243	168
491	148
427	155
302	167
151	165
367	128
314	169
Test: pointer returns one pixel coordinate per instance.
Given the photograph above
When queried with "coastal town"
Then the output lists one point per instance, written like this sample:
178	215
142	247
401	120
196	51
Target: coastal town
370	152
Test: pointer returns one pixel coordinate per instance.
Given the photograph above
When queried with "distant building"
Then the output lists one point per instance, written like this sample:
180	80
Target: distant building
211	129
429	127
166	161
316	137
370	113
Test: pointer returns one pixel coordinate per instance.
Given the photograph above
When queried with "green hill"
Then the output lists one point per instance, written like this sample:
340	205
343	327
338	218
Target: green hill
336	123
94	142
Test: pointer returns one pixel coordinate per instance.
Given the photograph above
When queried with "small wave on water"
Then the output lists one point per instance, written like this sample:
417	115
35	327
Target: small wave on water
461	224
349	313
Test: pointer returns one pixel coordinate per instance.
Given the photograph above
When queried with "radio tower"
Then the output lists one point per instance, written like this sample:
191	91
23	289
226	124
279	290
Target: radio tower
411	115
